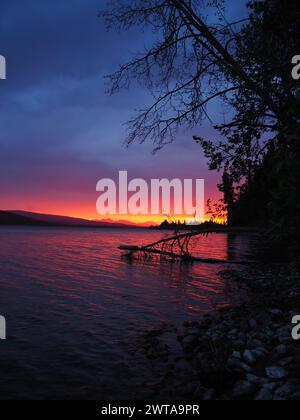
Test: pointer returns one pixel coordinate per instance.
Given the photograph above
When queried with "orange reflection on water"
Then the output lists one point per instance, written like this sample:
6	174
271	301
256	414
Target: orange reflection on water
74	302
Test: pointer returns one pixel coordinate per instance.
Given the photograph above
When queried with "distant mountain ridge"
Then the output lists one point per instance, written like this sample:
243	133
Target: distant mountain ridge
24	218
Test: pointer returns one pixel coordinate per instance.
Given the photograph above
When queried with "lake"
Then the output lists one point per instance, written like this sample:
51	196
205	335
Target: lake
74	306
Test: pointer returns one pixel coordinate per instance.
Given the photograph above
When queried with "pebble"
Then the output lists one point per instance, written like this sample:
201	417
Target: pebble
275	372
284	392
181	332
183	366
296	396
249	357
284	339
252	324
254	343
238	344
243	389
237	355
189	340
270	386
193	331
237	364
282	349
254	379
262	350
263	342
264	395
276	314
287	361
210	395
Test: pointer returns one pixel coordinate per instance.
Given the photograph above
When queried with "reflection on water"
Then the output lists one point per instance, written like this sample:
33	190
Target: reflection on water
73	305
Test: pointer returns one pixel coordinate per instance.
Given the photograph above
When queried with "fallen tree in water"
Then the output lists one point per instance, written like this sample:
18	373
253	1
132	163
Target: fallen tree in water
177	247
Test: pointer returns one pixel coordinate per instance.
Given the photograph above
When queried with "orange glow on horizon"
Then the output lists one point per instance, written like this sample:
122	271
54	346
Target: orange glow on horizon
82	207
88	215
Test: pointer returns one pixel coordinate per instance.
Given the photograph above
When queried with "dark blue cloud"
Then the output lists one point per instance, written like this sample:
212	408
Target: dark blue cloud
54	113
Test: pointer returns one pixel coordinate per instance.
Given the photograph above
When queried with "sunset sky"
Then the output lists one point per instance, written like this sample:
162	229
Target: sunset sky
59	132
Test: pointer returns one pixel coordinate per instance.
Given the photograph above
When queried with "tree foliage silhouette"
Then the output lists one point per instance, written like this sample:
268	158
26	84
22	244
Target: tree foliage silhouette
198	58
192	62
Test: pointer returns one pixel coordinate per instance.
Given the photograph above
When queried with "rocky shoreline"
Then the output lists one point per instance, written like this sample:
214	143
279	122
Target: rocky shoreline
242	353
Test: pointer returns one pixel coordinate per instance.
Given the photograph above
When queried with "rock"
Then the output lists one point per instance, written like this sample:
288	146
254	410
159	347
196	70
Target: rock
170	340
245	367
193	331
282	349
207	321
284	335
252	324
236	355
284	339
260	353
238	344
242	337
237	364
155	383
151	353
284	330
285	392
254	379
161	348
181	332
191	324
275	372
210	395
276	314
262	350
183	366
224	398
199	391
270	386
296	396
189	340
294	293
287	361
188	389
249	357
215	337
264	395
269	333
243	389
254	343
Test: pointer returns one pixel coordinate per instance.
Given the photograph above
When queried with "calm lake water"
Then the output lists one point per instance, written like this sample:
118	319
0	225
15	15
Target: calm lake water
74	306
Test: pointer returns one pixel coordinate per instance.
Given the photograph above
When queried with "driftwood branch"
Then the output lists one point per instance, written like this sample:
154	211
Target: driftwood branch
183	240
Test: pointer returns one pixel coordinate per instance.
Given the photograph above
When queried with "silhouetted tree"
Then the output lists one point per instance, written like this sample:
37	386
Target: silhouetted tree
192	62
265	47
263	163
195	60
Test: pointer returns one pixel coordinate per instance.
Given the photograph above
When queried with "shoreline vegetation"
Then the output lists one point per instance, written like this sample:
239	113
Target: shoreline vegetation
239	353
181	226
